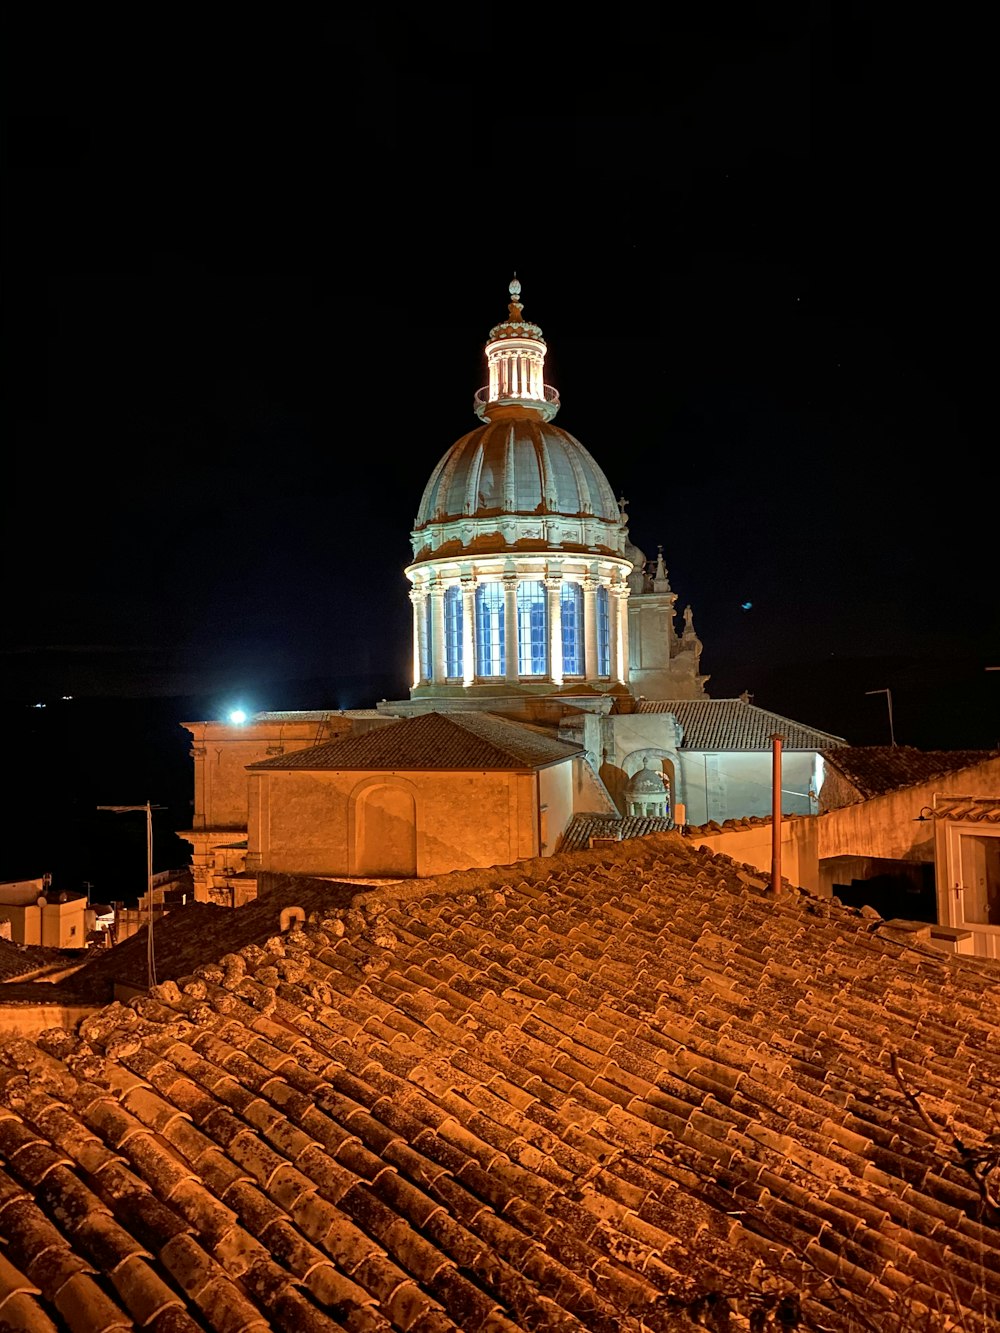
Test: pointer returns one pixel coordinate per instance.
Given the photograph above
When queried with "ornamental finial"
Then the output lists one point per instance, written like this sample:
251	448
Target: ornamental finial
515	307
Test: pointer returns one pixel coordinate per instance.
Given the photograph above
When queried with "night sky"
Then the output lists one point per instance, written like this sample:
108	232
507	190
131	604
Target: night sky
250	263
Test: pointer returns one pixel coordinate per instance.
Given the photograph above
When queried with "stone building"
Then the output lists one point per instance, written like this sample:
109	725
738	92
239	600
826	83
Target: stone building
530	604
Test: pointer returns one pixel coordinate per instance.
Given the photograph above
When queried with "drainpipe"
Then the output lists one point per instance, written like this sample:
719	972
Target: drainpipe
776	813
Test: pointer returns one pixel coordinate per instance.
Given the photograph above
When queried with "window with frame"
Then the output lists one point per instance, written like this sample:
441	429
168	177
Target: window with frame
425	645
532	628
603	633
490	629
454	615
571	603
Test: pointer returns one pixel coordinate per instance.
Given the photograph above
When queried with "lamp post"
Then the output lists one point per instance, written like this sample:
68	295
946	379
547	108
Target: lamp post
888	697
125	809
776	740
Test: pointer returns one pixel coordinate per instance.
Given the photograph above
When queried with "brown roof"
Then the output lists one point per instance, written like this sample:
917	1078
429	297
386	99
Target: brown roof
734	724
874	770
581	828
975	809
316	715
638	1090
433	741
17	960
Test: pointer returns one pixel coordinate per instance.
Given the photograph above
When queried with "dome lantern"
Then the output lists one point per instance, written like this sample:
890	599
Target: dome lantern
515	356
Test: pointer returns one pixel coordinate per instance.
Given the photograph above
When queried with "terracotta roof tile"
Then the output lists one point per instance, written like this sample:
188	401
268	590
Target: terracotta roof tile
873	770
554	1104
733	724
432	741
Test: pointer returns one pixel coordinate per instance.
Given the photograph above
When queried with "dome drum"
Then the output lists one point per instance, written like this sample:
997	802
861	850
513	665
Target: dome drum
519	624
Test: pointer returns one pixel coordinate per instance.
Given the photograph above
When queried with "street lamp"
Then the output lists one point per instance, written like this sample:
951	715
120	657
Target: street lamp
125	809
888	699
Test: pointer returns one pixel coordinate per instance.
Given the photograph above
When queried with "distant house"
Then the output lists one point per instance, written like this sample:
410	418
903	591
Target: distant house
220	752
855	773
38	916
915	838
717	756
426	796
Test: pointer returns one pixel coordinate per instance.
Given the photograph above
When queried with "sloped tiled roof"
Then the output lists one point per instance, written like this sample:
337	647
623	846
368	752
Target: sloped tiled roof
734	724
581	828
978	810
637	1091
874	770
314	714
433	741
17	960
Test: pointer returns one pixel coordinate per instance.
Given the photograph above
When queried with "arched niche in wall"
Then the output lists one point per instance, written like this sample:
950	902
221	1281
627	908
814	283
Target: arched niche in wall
383	828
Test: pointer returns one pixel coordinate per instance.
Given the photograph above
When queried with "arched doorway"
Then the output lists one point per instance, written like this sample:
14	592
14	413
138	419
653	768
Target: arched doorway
384	830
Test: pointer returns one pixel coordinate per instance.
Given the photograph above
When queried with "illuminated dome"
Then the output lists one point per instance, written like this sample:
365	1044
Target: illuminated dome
522	469
519	572
517	482
646	793
646	782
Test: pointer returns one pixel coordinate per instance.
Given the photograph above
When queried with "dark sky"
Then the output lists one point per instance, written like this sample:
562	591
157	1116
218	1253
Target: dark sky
249	265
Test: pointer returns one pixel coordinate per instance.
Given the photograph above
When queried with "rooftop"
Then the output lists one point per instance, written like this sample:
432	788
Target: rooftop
617	1091
432	741
735	724
874	770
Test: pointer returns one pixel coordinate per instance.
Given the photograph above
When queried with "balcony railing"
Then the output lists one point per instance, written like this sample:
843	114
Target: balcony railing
482	397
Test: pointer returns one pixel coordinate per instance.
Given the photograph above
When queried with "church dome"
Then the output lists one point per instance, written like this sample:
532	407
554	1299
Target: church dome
517	465
646	782
517	482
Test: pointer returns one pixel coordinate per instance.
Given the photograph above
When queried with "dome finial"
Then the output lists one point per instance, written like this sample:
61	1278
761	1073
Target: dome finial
515	307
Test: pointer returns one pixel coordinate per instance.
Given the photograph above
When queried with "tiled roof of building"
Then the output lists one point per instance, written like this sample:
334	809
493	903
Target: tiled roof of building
734	724
638	1093
18	960
581	828
433	741
978	810
314	714
874	770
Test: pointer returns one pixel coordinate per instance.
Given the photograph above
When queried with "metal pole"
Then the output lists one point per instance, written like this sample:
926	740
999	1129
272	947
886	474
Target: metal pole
148	808
888	699
150	959
776	813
